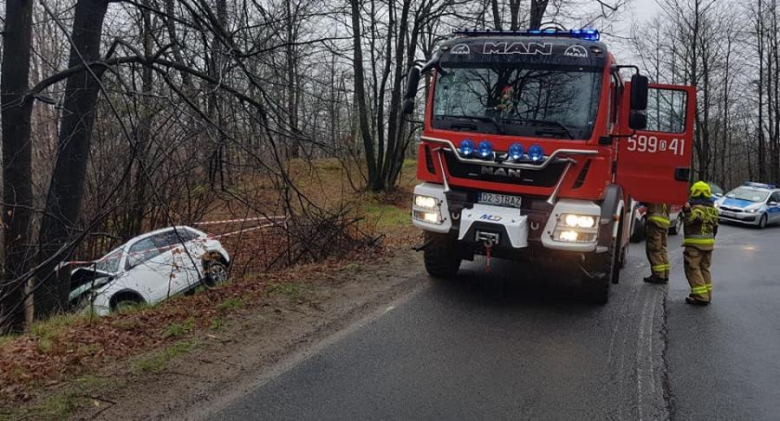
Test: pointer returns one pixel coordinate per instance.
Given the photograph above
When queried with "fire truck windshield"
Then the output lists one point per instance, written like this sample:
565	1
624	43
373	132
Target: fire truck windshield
547	101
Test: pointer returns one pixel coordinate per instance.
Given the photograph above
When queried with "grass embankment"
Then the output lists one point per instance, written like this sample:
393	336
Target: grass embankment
55	367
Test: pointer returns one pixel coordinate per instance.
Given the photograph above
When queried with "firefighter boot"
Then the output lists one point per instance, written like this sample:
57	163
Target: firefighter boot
693	271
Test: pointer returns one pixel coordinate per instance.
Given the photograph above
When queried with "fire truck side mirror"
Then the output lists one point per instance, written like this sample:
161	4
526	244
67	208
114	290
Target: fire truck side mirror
412	81
637	120
639	92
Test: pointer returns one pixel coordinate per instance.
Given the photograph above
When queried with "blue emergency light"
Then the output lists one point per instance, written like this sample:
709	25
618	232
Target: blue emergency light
585	34
760	185
485	149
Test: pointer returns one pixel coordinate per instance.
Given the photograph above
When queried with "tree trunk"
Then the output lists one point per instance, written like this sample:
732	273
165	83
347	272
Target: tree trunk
144	130
214	102
496	14
360	92
17	152
63	203
761	48
170	23
538	8
394	120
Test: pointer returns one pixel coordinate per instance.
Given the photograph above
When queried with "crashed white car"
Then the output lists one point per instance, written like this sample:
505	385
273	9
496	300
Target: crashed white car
150	268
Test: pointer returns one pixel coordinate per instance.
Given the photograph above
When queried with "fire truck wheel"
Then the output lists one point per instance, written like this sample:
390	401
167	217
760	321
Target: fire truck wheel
639	231
602	268
441	256
623	257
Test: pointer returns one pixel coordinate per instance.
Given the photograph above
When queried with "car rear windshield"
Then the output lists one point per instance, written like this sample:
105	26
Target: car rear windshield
751	195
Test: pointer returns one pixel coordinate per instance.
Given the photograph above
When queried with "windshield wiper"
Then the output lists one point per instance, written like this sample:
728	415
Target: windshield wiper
476	118
548	123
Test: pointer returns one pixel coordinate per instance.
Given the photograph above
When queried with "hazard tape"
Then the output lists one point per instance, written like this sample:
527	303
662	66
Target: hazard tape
198	240
245	230
234	221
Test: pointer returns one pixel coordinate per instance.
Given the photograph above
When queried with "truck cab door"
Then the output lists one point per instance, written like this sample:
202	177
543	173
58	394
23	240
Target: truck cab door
654	164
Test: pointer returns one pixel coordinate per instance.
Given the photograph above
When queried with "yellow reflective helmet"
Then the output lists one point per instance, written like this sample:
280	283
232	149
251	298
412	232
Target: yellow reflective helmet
701	189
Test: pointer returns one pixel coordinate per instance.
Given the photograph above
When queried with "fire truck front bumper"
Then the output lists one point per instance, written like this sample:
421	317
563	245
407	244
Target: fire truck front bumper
568	226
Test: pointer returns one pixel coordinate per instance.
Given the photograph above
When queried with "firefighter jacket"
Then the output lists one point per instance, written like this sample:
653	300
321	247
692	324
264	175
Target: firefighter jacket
701	224
658	214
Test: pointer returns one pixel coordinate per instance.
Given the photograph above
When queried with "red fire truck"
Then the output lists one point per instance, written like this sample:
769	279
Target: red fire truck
535	148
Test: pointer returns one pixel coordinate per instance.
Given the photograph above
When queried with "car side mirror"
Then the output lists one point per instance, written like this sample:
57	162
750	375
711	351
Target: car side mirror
637	120
413	80
639	92
772	203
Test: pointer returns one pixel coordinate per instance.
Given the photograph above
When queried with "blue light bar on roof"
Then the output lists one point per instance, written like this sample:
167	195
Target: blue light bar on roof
586	34
760	185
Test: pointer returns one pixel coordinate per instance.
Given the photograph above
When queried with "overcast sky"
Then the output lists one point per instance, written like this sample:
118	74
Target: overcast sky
639	13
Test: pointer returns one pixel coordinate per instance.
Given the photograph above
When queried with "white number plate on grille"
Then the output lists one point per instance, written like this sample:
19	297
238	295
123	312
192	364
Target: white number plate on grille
499	200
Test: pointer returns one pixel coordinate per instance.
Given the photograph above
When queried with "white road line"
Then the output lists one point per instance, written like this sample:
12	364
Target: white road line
639	376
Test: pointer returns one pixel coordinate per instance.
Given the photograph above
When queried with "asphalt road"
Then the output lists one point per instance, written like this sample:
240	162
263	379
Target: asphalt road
518	344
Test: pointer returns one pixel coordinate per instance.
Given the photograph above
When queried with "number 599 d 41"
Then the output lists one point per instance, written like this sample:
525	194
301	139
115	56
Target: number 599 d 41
652	144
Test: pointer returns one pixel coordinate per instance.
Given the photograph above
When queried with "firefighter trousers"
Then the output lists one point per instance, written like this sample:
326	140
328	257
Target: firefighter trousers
655	246
697	270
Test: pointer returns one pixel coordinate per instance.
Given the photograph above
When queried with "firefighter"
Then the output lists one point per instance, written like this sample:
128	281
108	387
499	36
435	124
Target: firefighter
655	245
701	226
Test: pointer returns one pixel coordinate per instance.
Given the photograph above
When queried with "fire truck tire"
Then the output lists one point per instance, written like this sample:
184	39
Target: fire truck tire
603	269
441	256
639	231
623	256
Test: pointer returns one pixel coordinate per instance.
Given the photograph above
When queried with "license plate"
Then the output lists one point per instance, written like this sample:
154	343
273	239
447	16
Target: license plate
499	200
728	214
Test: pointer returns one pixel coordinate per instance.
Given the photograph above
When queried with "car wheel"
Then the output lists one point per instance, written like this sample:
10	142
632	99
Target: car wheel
125	301
217	273
762	222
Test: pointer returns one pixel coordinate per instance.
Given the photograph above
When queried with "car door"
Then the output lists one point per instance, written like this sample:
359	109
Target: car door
654	164
773	207
187	253
149	267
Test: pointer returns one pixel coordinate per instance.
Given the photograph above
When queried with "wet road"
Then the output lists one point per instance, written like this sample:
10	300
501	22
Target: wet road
488	346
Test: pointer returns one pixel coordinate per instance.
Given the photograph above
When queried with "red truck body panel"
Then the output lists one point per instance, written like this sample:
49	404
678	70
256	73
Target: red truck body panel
643	176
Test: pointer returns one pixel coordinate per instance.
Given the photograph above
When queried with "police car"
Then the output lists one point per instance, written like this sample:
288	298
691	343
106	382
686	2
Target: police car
752	203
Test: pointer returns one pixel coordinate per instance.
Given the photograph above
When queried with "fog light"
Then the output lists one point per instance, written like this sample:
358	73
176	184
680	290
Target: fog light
425	202
429	217
569	236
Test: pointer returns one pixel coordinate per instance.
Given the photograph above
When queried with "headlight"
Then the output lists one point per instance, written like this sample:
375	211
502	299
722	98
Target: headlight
754	210
579	221
427	209
573	228
568	236
571	236
425	202
429	217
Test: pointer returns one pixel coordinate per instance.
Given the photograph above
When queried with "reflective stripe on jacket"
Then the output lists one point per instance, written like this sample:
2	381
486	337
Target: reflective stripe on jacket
658	214
701	223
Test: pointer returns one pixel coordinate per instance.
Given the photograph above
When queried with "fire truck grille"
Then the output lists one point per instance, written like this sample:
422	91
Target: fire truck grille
547	177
